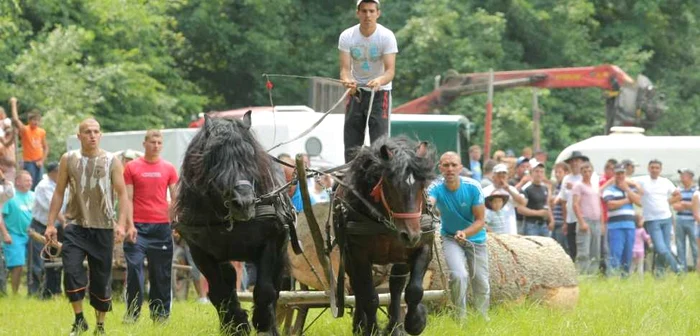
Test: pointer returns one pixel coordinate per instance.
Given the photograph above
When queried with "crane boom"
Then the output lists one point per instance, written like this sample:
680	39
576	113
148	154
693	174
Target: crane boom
629	102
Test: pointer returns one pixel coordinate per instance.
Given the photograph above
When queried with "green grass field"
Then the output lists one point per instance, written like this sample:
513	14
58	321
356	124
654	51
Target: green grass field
606	307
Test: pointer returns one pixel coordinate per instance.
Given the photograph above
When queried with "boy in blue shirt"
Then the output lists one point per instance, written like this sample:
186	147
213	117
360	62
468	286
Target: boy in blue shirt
460	202
17	214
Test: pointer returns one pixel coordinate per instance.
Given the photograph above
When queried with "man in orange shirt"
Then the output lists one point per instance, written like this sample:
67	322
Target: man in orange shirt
35	149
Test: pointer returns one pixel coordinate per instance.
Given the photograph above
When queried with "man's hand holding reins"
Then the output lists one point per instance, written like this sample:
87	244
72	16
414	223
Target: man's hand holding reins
51	234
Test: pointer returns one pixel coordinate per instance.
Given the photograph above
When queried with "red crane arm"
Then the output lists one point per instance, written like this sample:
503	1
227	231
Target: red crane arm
606	77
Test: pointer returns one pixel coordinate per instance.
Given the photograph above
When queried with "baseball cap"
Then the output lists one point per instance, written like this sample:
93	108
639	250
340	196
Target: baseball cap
686	171
534	163
521	160
361	1
500	168
51	167
620	167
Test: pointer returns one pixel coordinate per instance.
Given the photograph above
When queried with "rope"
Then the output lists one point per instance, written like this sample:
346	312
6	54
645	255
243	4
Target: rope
303	77
318	122
466	243
46	254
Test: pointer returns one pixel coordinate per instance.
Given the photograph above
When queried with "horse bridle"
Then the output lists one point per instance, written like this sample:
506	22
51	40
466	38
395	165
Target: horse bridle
378	195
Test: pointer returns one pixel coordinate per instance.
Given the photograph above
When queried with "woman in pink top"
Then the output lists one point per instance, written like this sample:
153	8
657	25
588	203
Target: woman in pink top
640	236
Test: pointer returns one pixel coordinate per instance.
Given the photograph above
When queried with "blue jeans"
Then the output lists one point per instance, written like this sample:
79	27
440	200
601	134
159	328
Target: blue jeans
465	262
535	229
620	243
685	229
155	242
33	170
660	232
560	237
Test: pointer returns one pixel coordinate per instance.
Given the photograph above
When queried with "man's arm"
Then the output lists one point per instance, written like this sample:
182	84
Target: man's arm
130	195
8	139
389	61
57	198
577	209
518	198
696	207
15	117
172	188
345	72
479	212
119	188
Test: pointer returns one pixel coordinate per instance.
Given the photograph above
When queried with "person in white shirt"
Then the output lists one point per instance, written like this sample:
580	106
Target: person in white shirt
658	196
500	182
367	64
565	197
43	283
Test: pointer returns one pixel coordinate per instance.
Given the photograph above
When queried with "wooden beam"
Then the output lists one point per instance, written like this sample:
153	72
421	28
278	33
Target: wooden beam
296	298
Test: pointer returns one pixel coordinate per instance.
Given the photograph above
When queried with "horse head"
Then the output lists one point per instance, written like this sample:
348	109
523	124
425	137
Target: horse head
226	166
394	173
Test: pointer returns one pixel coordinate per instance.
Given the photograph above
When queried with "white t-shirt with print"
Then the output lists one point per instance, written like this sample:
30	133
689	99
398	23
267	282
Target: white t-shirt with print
657	191
366	52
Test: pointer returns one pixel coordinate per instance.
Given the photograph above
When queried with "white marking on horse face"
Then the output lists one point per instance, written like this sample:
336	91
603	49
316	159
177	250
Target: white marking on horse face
410	180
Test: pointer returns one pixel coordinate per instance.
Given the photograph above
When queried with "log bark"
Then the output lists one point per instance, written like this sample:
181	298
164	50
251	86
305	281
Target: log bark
310	273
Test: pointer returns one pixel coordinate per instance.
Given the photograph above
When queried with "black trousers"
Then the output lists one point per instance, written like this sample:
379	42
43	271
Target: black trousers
356	117
155	243
97	246
571	239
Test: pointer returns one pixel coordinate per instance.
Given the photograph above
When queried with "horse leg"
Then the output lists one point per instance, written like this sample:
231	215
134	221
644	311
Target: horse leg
270	271
397	282
359	270
222	292
416	316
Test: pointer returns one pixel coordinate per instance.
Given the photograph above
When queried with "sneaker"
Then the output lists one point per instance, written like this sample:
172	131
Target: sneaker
99	330
79	327
203	300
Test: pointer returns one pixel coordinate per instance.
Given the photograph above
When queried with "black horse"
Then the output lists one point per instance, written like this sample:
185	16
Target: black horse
227	210
383	224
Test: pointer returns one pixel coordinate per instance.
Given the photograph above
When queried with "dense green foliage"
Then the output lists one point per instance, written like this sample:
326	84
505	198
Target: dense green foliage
137	64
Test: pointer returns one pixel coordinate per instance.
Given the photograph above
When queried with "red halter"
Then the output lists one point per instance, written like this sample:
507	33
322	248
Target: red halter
378	194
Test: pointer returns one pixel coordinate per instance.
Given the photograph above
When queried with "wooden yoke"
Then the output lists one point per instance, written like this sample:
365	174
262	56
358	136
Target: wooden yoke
314	228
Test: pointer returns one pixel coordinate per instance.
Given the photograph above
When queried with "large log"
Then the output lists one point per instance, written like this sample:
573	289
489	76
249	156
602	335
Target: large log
521	267
310	272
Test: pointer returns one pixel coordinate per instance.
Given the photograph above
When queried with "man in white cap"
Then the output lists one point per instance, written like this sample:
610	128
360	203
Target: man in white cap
500	181
367	62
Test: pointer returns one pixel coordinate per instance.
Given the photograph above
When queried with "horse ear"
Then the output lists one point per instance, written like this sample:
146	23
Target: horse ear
246	119
386	153
422	149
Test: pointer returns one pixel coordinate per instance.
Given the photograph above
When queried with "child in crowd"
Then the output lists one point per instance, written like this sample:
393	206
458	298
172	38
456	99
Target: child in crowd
496	217
640	236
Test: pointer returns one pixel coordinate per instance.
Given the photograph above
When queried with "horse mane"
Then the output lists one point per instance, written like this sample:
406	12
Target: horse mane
221	152
369	165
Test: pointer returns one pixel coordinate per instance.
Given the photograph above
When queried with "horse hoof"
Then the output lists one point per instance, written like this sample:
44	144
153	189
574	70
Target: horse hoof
416	319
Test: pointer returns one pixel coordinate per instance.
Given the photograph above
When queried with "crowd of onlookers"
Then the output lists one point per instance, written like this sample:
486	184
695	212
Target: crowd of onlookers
607	223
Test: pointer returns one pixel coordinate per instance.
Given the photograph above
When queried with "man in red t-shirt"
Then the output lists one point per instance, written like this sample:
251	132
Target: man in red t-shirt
148	180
